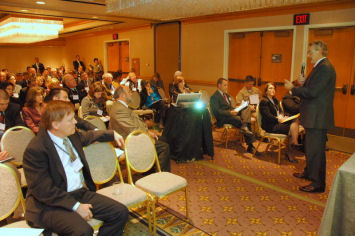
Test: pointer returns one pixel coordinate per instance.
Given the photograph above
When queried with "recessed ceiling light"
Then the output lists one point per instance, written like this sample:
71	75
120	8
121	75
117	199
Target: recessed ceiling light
24	10
94	17
40	2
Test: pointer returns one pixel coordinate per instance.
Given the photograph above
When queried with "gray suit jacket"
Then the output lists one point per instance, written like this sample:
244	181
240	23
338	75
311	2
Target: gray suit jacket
317	95
123	120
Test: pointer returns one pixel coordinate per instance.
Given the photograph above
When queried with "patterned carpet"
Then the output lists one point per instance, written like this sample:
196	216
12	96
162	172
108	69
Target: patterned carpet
238	194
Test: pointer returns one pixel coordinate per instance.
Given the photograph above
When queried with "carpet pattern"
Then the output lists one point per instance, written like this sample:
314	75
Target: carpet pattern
238	194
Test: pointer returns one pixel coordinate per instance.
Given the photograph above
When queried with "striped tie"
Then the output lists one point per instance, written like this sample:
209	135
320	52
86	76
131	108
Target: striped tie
69	149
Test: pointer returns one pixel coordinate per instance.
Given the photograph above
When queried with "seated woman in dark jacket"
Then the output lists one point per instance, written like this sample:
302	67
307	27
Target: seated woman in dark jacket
273	119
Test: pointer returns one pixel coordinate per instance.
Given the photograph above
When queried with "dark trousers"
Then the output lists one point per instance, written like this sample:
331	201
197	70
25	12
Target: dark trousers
315	141
163	152
64	222
236	122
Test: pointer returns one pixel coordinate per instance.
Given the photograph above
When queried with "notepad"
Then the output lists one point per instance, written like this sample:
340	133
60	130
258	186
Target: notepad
254	99
291	118
242	106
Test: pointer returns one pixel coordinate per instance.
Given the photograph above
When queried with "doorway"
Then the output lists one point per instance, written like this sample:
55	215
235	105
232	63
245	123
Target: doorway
118	57
341	53
266	55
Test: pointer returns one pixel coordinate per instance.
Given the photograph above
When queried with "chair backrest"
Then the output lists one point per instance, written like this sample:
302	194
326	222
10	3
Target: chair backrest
162	93
80	112
109	104
258	121
10	194
95	120
136	100
140	153
102	161
15	141
204	96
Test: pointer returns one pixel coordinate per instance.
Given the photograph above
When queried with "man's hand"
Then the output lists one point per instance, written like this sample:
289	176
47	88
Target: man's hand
4	155
301	80
84	211
288	85
118	139
153	135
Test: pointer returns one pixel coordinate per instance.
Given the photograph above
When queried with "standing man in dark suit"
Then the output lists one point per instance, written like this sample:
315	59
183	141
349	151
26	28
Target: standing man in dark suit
39	67
224	113
77	63
61	194
317	114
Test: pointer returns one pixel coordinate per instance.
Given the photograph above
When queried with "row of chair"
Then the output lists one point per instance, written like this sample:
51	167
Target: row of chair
104	165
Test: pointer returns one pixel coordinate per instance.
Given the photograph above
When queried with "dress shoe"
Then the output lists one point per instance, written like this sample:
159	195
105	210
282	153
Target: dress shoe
251	149
298	147
244	129
311	189
300	176
292	160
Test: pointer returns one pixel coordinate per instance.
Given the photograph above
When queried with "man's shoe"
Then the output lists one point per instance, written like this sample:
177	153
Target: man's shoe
292	160
244	129
311	189
300	176
251	149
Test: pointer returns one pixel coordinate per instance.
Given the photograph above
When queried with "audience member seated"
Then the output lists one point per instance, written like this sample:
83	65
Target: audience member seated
23	93
9	113
22	79
17	87
61	94
132	82
51	84
61	195
98	69
124	121
76	93
84	83
108	85
33	107
40	82
152	100
224	113
156	81
273	120
178	87
3	77
94	103
9	88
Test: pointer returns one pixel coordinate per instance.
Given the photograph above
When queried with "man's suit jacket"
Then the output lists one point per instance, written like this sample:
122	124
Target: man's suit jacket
123	120
317	95
220	108
76	65
13	116
45	175
40	67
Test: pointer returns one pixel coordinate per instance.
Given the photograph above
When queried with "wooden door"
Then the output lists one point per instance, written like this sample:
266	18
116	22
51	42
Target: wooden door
341	46
113	57
124	56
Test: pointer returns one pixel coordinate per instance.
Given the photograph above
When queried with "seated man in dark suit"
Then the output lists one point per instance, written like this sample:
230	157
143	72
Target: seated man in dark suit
61	94
61	194
76	92
124	121
9	113
225	114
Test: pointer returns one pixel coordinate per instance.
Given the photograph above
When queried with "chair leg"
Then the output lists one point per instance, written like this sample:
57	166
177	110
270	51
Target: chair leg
187	204
279	156
227	136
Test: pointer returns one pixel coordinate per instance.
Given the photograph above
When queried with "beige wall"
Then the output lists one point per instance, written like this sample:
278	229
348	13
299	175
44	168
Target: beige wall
16	59
203	43
141	43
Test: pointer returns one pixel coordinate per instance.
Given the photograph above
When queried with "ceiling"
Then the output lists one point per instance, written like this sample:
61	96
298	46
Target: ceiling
97	15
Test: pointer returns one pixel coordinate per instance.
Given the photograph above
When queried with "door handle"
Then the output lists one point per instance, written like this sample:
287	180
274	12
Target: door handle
345	89
352	90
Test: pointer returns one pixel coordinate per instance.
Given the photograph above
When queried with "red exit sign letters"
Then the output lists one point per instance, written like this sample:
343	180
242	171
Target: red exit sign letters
301	19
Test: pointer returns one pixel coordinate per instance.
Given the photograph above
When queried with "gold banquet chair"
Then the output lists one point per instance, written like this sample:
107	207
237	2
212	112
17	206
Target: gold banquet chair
136	102
158	185
96	121
103	164
276	139
15	141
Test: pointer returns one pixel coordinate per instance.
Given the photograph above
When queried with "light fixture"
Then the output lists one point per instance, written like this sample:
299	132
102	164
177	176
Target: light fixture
41	2
20	29
24	10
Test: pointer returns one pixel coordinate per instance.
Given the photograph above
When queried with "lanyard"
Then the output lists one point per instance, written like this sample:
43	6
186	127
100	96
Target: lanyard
62	149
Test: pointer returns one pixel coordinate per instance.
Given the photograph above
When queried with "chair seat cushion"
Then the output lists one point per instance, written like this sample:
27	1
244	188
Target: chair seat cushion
128	195
281	136
161	183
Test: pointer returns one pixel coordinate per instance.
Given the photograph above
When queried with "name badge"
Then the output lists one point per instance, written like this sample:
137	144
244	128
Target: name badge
134	89
2	126
77	165
87	89
15	95
99	112
75	97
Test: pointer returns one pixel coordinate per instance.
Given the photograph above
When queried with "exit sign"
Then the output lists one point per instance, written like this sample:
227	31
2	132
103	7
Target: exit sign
301	19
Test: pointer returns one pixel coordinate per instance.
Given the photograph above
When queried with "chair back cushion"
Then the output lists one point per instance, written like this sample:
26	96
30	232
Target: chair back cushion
15	141
9	194
102	161
140	151
95	120
136	100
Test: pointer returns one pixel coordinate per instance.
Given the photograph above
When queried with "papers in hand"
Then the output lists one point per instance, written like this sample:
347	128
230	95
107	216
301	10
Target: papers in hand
242	106
291	118
20	231
254	99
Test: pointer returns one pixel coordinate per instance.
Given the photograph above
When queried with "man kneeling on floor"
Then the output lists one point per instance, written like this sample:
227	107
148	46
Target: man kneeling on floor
61	193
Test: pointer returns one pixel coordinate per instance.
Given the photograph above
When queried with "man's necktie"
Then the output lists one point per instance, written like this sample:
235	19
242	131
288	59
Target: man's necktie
2	117
69	149
226	98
